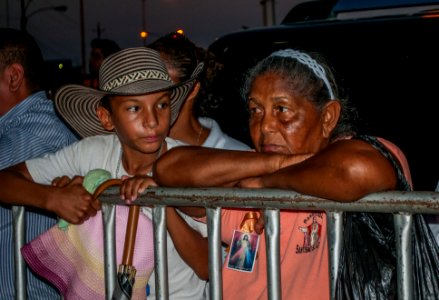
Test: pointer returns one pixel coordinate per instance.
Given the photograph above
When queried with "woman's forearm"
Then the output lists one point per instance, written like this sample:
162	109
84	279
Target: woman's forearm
207	167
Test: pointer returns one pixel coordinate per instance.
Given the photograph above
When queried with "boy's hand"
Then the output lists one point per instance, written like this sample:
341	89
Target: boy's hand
61	181
71	201
133	186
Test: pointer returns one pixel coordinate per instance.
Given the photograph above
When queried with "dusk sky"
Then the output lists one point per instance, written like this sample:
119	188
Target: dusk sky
58	33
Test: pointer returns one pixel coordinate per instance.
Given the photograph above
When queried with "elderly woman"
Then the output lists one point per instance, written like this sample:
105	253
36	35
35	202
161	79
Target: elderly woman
304	138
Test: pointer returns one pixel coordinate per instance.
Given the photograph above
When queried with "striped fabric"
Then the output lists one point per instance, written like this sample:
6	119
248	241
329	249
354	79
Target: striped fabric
132	71
30	129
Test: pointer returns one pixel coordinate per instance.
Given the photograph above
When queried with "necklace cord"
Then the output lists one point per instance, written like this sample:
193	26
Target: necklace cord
119	162
199	135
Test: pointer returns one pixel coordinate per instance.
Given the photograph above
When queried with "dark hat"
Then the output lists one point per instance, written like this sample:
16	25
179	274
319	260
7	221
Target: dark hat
132	71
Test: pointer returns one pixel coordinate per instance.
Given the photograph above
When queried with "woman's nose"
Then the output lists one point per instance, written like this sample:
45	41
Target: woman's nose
268	122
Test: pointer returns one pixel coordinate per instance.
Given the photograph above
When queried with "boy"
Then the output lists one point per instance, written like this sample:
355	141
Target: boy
124	125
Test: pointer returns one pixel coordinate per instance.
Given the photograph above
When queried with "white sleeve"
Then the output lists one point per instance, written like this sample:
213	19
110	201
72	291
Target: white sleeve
197	225
76	159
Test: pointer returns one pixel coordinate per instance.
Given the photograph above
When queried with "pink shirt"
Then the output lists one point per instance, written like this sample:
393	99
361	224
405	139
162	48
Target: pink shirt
303	258
303	252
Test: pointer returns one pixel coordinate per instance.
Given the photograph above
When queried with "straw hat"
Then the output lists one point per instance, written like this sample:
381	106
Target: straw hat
132	71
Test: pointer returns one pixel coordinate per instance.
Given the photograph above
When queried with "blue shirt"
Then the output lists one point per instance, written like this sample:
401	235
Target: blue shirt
30	129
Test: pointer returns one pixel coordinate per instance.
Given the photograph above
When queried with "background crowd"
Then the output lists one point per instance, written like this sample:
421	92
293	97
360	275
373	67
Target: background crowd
145	114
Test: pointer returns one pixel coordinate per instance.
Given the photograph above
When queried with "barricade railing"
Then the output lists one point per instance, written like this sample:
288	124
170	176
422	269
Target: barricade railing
401	204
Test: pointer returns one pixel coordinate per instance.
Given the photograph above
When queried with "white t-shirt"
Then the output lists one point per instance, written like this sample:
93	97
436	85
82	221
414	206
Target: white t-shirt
183	282
96	152
103	152
218	139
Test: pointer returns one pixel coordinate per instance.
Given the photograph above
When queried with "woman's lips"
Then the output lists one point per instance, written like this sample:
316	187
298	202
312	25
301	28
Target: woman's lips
271	148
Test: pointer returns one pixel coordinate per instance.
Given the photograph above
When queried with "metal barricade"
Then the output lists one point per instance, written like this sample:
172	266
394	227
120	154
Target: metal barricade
401	204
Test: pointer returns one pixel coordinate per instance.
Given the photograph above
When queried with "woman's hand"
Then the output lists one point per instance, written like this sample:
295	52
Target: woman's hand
260	223
252	182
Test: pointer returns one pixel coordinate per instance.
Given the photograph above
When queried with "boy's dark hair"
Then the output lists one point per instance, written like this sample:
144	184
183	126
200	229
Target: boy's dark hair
19	47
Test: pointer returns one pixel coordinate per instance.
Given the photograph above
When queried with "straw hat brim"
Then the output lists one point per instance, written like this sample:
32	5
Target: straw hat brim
78	104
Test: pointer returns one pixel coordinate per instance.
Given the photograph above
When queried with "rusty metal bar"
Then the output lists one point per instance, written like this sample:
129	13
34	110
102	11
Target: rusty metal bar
160	252
272	238
215	253
401	204
19	225
334	222
403	239
109	223
385	202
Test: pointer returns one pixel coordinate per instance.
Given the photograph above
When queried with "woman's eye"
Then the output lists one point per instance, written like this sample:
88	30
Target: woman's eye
282	109
253	112
254	109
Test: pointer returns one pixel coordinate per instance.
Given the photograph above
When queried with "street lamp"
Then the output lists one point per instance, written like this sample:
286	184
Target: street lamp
25	18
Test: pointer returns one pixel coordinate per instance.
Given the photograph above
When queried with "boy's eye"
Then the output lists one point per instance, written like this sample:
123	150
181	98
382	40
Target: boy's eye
163	105
133	108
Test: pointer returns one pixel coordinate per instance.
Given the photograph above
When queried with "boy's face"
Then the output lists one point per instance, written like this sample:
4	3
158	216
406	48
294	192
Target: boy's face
141	122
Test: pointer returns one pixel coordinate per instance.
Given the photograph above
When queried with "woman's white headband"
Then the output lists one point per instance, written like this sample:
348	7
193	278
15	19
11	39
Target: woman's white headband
308	61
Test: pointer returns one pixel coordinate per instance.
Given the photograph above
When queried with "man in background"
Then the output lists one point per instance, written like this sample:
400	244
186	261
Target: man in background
100	49
29	127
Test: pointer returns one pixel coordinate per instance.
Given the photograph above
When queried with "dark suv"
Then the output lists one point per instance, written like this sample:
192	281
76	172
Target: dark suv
386	58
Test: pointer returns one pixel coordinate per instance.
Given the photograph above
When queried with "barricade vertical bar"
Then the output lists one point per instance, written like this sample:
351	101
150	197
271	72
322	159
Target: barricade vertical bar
19	225
272	230
108	221
403	238
215	253
160	252
334	222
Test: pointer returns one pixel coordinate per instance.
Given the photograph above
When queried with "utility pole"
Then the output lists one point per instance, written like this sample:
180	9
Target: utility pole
268	12
143	33
99	30
82	31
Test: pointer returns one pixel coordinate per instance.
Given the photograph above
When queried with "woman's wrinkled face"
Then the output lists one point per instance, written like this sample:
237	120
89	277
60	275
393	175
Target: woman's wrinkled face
281	122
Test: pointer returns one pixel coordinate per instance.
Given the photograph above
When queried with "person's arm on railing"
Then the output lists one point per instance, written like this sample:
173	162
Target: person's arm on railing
72	202
208	167
346	170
